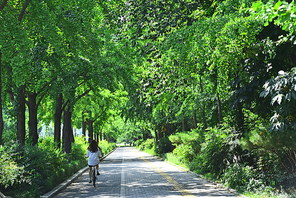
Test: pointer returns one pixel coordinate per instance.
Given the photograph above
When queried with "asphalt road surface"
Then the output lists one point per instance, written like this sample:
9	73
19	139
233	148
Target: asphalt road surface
130	173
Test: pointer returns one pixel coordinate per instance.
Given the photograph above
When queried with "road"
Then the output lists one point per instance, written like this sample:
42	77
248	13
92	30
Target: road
130	173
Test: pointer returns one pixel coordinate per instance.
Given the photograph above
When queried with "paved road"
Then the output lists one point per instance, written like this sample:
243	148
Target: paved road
130	173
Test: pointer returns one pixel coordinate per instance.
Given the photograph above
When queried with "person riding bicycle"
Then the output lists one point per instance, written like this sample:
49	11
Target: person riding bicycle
93	154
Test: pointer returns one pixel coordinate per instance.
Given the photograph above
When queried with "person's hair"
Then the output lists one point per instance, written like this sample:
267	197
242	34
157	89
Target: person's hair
93	146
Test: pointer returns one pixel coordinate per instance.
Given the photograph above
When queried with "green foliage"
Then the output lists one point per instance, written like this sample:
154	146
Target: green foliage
185	152
106	147
221	147
283	95
188	144
32	171
241	177
163	145
11	172
281	12
138	142
192	137
175	159
146	145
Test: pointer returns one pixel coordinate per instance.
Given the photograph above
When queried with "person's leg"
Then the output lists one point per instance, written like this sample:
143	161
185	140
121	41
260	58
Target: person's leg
98	169
89	173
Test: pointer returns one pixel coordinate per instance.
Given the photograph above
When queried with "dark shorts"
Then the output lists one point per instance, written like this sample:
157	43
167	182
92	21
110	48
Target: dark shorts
92	166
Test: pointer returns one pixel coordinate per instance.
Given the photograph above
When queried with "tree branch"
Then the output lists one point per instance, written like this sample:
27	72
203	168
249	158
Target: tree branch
86	92
46	85
39	101
3	5
101	113
23	10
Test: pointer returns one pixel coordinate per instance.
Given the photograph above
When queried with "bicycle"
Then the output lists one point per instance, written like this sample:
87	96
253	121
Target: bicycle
93	176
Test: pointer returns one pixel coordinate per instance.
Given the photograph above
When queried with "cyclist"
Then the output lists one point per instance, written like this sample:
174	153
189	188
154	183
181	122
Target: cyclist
93	154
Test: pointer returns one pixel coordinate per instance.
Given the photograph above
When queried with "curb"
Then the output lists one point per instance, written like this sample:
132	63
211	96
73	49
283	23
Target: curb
67	182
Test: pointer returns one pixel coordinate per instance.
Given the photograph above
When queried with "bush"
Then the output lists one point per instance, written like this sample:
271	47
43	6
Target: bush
163	145
221	147
138	142
106	147
241	177
185	152
32	171
147	144
11	173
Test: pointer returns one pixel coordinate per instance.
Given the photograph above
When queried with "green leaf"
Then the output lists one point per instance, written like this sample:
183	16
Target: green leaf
277	5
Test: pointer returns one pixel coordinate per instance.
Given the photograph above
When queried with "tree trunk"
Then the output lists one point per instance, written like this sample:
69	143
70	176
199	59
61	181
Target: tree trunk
57	120
90	130
160	134
72	139
219	109
33	132
83	125
168	130
98	138
1	113
204	106
67	130
21	125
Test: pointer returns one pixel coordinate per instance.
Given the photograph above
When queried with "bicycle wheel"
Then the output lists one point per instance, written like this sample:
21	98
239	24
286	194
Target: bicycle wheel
94	177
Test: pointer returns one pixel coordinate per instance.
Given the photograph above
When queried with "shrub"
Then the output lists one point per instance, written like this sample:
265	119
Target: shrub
106	147
239	176
163	145
185	152
32	171
11	173
138	142
221	147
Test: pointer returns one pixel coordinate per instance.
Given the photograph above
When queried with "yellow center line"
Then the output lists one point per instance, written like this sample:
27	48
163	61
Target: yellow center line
173	182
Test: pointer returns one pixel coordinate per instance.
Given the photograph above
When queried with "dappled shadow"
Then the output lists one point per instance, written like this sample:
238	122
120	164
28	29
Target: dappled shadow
141	180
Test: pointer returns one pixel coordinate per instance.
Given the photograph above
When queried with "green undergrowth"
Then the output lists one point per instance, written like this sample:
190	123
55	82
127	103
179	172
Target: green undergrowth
27	171
221	155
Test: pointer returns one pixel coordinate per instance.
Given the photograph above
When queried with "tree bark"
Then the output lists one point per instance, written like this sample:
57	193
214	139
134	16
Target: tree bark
32	105
3	5
67	130
72	139
101	135
23	10
203	108
21	126
57	120
1	113
83	125
168	130
90	130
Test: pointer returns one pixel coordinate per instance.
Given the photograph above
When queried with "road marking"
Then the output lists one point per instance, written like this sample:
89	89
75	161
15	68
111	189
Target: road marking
173	182
122	186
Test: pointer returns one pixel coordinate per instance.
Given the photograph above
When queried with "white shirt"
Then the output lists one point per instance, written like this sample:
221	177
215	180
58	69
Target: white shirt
93	157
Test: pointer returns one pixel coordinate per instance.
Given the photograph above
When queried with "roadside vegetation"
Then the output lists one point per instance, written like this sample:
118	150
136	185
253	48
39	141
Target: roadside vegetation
219	155
28	171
